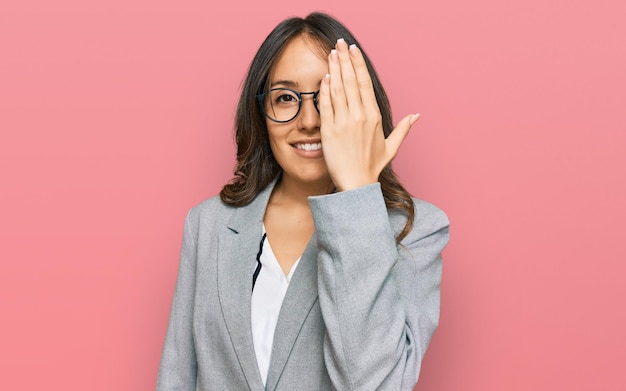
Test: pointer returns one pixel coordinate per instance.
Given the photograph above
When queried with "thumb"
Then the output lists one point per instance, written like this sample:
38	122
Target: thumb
398	134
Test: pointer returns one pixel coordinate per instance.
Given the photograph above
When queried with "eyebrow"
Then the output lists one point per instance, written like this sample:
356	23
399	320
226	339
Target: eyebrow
287	83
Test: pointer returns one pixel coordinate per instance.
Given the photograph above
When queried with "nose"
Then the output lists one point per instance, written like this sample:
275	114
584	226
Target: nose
309	117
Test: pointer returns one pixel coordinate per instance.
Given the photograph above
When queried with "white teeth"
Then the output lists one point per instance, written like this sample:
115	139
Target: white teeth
309	147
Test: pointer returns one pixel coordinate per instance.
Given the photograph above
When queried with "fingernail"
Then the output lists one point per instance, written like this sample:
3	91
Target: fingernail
414	118
333	55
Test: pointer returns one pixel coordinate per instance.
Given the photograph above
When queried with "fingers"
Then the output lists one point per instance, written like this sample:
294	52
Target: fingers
348	76
327	116
337	91
351	88
364	81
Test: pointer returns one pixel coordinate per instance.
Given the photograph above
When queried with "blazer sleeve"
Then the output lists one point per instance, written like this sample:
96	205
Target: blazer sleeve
379	301
178	367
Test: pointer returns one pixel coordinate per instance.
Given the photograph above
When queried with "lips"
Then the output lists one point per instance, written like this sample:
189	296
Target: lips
308	146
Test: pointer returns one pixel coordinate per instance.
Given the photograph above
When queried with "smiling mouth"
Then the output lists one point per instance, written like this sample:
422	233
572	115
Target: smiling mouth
309	146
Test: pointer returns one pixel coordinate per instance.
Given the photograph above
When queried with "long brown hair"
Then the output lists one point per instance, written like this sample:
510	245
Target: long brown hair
256	166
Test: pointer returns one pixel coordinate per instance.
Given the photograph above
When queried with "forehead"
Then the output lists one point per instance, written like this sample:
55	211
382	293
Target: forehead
302	61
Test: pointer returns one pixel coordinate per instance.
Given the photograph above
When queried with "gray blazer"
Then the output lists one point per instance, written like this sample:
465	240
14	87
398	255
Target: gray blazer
358	314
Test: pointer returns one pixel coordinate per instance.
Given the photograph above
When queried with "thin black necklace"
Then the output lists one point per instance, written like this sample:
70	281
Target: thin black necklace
258	261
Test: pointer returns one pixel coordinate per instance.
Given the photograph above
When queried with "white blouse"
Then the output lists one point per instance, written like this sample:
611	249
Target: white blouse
267	298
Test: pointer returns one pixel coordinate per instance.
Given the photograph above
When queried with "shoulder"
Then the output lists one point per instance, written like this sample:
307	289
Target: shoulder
212	207
428	219
207	215
428	216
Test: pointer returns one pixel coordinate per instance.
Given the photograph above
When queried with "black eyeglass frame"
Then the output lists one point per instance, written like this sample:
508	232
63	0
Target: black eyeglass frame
261	97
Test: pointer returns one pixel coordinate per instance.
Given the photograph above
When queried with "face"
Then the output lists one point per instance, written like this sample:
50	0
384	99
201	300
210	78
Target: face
296	144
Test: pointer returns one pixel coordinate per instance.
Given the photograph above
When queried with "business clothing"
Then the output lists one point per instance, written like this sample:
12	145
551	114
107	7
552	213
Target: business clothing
358	314
268	294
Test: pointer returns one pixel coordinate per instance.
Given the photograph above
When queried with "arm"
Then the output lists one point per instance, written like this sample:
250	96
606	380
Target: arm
379	301
178	363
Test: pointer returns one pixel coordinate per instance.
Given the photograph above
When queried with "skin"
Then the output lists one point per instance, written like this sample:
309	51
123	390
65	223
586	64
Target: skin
354	149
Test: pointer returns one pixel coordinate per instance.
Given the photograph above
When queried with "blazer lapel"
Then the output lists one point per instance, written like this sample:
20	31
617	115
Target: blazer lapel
239	245
299	299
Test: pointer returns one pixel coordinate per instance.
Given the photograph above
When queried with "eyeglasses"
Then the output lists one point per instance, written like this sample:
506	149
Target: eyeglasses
283	104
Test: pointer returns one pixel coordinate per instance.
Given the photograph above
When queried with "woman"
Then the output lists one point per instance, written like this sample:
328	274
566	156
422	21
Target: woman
347	295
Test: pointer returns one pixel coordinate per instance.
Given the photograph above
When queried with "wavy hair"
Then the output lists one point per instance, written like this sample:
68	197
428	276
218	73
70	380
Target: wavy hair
256	166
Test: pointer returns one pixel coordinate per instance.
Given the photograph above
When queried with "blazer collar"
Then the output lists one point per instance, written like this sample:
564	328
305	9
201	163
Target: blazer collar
299	300
238	246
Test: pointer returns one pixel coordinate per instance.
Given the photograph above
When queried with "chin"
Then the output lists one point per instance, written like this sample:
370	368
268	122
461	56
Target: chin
318	178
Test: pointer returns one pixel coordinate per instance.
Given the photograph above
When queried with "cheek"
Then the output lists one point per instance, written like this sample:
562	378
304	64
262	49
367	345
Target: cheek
274	147
277	145
276	136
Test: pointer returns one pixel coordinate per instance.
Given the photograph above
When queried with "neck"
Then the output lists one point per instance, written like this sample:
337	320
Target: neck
291	191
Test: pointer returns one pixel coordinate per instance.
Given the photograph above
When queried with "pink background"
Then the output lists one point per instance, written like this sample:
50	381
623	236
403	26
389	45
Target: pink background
116	116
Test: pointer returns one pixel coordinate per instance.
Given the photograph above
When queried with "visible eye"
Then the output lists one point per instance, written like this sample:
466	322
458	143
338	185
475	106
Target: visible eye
284	97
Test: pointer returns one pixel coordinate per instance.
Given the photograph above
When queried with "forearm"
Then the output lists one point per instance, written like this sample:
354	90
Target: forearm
380	301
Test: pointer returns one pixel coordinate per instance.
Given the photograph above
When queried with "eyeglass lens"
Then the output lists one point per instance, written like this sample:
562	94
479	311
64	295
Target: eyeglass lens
282	104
